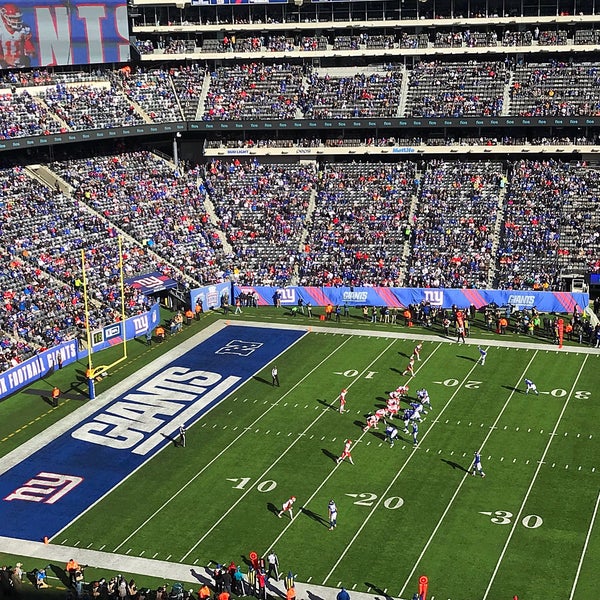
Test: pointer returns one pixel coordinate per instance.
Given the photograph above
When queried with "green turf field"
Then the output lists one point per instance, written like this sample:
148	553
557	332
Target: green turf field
527	528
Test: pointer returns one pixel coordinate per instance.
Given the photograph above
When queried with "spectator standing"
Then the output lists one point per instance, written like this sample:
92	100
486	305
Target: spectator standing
204	593
238	582
262	585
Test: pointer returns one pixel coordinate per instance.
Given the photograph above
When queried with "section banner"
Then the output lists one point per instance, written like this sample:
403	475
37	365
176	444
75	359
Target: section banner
560	302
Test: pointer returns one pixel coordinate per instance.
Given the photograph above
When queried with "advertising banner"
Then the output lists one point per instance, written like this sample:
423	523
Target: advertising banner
210	296
42	364
560	302
50	33
112	334
38	367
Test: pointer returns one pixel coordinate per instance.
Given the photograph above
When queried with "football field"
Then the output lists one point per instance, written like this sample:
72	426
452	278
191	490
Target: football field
528	528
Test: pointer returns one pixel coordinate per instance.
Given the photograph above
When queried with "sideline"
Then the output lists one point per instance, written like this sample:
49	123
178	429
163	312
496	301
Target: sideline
169	571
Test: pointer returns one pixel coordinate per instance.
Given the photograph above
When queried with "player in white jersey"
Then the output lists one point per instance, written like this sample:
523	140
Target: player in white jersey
332	513
392	407
531	387
402	390
288	505
410	368
381	413
415	434
16	47
343	400
423	398
372	421
417	351
477	468
406	417
391	435
482	355
417	410
346	452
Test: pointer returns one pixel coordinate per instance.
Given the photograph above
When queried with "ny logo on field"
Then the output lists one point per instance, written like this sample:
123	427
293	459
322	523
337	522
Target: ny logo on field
239	347
434	297
46	488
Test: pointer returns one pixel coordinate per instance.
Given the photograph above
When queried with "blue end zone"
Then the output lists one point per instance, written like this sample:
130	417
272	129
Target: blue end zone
49	489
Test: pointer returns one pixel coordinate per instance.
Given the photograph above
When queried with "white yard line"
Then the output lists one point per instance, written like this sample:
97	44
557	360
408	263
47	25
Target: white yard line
243	432
266	471
406	462
585	545
339	464
517	518
462	481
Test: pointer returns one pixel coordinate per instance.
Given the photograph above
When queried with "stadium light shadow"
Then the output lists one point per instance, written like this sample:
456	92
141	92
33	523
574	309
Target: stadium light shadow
261	380
455	465
272	508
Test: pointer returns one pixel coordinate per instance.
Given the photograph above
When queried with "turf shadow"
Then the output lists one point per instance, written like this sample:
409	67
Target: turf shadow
174	439
200	577
272	508
360	424
379	435
274	590
262	380
454	465
513	389
329	454
314	516
61	574
466	357
396	370
378	591
326	404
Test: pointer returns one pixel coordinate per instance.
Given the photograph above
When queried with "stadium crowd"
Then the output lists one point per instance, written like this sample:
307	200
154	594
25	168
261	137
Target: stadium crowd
438	223
41	102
